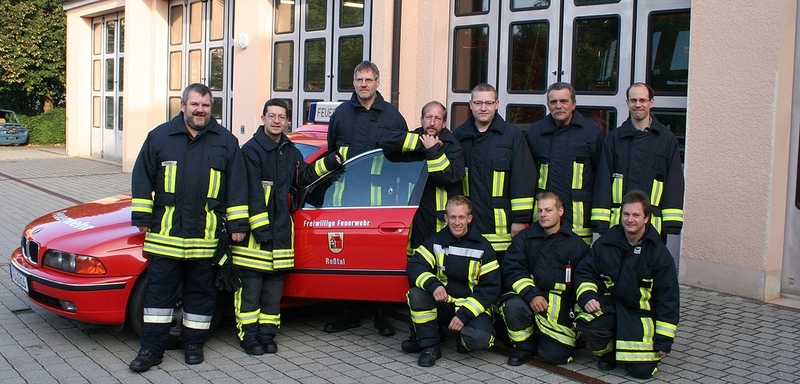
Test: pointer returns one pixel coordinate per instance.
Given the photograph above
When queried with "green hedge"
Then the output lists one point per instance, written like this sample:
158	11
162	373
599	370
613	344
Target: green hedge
48	128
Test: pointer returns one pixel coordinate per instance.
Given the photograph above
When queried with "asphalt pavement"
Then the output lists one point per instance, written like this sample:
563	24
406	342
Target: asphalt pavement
721	338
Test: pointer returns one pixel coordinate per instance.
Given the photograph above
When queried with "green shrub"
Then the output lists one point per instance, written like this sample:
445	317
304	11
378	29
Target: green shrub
48	128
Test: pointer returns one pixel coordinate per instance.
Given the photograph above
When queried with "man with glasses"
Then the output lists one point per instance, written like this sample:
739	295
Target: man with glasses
642	154
566	148
274	167
356	127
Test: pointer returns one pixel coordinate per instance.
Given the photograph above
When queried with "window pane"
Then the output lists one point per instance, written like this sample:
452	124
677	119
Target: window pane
110	28
284	16
109	112
175	65
216	109
97	75
96	111
122	35
352	13
605	118
315	65
119	113
317	17
675	121
459	112
176	25
669	53
351	53
109	74
195	22
216	61
216	28
467	7
98	39
596	55
194	66
283	67
119	76
523	115
174	106
517	5
471	58
529	47
592	2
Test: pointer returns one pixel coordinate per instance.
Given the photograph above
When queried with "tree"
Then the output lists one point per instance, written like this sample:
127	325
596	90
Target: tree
32	55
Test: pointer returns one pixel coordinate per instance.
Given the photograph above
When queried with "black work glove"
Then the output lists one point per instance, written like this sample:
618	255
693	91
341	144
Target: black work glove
227	276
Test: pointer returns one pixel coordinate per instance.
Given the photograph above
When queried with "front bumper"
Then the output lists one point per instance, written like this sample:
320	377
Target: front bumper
98	300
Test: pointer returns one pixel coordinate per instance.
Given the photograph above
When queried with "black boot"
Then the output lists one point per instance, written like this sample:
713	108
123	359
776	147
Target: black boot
411	345
429	356
382	322
522	352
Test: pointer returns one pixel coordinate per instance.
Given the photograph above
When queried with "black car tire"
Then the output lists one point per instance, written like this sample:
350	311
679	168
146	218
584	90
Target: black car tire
135	313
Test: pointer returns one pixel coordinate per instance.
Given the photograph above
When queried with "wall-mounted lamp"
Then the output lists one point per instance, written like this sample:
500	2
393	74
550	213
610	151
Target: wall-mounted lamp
243	40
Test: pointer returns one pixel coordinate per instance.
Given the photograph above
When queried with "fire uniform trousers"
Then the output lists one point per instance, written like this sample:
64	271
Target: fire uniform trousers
498	178
274	169
637	288
537	264
468	270
445	164
194	184
644	160
566	157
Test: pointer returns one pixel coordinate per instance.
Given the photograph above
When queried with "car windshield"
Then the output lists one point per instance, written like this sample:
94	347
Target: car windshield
306	149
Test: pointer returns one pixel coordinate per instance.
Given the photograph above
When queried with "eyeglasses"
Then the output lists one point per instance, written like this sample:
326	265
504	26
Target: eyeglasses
272	117
435	118
482	103
640	101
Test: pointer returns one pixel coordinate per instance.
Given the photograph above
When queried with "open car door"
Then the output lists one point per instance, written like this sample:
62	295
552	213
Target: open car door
352	230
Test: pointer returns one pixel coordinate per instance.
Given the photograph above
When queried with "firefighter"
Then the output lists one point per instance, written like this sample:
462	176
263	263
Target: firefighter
274	168
538	267
641	154
444	157
356	126
454	278
566	148
186	180
628	289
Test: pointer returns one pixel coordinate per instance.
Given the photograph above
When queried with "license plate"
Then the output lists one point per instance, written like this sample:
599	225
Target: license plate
18	278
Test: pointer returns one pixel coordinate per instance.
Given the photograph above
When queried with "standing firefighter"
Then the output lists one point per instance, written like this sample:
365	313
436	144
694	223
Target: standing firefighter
187	179
628	289
274	167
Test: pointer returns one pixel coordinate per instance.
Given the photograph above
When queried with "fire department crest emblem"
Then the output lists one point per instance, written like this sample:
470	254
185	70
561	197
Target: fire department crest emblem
335	241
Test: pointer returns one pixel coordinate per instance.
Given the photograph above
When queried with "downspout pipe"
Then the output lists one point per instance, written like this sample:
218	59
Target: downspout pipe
396	28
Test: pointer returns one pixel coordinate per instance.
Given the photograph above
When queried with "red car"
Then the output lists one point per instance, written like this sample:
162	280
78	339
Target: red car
351	233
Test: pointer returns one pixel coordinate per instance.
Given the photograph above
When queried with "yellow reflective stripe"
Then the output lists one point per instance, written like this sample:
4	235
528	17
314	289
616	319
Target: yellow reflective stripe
170	177
498	184
259	220
465	182
645	293
473	305
214	183
179	247
142	205
521	204
500	221
377	165
166	220
283	258
585	287
616	191
440	199
655	193
500	242
320	168
246	317
601	214
375	192
343	152
425	316
616	215
253	258
473	274
422	279
638	357
656	221
519	285
440	271
521	335
544	174
410	142
237	212
577	214
439	164
672	214
211	223
267	186
555	331
427	256
577	175
266	318
489	267
338	192
666	329
629	345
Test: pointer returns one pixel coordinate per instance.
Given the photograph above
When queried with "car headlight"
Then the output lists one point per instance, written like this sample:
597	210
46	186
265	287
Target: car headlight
70	262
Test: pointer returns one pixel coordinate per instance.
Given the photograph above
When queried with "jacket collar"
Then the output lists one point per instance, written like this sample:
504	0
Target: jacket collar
628	130
498	125
177	126
577	121
376	105
268	144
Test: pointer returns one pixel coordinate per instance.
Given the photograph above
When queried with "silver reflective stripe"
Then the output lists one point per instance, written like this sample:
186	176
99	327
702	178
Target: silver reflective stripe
158	315
458	251
191	320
